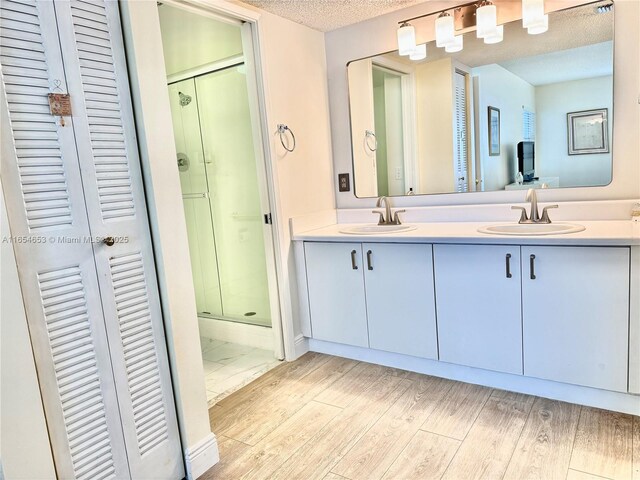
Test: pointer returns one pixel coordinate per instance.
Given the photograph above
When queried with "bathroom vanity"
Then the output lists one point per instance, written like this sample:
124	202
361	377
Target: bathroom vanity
546	315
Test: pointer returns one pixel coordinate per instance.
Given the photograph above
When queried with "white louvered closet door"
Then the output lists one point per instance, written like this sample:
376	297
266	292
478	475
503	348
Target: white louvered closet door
93	56
43	188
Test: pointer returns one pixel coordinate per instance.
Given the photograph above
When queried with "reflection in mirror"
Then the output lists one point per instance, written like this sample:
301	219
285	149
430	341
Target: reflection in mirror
531	111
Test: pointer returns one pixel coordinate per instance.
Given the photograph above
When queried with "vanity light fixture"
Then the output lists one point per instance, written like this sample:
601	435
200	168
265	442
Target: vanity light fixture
406	39
445	34
481	14
445	30
487	22
533	17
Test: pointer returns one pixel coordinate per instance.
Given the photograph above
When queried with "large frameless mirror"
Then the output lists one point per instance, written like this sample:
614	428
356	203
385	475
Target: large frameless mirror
530	111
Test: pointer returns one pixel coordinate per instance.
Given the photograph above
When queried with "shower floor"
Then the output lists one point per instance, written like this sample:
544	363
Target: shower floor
229	366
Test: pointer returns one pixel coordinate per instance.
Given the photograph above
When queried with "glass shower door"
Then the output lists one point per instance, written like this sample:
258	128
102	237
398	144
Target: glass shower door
195	197
234	195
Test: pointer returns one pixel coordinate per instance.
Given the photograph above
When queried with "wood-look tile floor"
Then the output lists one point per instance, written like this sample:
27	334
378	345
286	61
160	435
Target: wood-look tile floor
324	417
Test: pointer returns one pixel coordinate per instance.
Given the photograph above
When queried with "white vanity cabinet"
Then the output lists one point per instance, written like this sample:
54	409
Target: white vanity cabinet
373	295
478	306
400	298
336	292
576	315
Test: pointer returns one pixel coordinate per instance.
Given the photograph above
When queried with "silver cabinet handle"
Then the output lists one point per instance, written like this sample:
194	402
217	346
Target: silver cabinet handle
532	271
354	266
508	265
369	263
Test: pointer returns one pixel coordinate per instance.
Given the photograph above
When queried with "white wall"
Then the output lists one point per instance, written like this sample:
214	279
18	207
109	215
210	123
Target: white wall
378	35
24	439
509	93
553	102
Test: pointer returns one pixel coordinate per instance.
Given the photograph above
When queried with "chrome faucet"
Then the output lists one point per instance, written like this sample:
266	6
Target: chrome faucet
385	216
534	216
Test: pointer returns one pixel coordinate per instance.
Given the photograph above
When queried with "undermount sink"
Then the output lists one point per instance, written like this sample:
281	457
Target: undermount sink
532	229
373	229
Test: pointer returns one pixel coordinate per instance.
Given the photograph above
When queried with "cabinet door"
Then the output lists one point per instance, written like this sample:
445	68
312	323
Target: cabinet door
400	298
336	292
478	306
576	315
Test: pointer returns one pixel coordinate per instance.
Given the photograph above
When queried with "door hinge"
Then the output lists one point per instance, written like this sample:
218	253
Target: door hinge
267	219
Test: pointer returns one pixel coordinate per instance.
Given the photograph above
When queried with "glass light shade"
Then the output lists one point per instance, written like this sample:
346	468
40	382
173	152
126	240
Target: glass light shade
532	13
540	27
419	53
454	46
486	21
444	30
496	37
406	39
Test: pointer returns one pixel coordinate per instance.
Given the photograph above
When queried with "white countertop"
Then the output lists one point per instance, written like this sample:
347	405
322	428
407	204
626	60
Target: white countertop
600	232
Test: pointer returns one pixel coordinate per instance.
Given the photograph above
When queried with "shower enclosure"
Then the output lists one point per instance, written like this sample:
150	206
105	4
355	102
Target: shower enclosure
220	190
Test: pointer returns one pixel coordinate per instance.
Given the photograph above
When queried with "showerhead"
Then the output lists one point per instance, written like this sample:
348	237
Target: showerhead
184	99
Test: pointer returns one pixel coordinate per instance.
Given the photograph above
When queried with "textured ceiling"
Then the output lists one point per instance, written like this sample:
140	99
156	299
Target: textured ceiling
326	15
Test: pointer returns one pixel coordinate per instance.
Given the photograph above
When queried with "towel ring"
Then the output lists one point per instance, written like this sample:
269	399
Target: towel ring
282	131
367	135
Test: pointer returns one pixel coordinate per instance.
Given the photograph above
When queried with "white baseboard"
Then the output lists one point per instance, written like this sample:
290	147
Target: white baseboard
616	401
234	332
201	457
301	346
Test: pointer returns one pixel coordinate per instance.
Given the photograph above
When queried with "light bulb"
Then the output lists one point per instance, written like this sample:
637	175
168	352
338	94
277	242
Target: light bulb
486	20
454	46
539	27
532	13
419	53
444	30
496	37
406	39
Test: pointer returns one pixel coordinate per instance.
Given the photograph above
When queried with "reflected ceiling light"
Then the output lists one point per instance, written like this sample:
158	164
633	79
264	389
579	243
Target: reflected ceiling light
496	37
419	53
486	20
541	27
445	31
406	39
455	45
533	16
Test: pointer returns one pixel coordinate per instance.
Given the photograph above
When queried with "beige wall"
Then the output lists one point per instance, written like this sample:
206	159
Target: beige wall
24	440
378	35
295	80
434	100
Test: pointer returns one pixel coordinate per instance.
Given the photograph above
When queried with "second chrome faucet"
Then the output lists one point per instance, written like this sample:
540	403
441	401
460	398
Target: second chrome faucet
534	215
385	216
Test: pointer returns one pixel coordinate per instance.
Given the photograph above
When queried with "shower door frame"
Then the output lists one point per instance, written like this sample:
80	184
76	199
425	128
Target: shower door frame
248	22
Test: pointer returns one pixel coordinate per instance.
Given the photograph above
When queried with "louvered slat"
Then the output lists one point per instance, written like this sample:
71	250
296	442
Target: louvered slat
102	102
64	301
22	57
141	363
